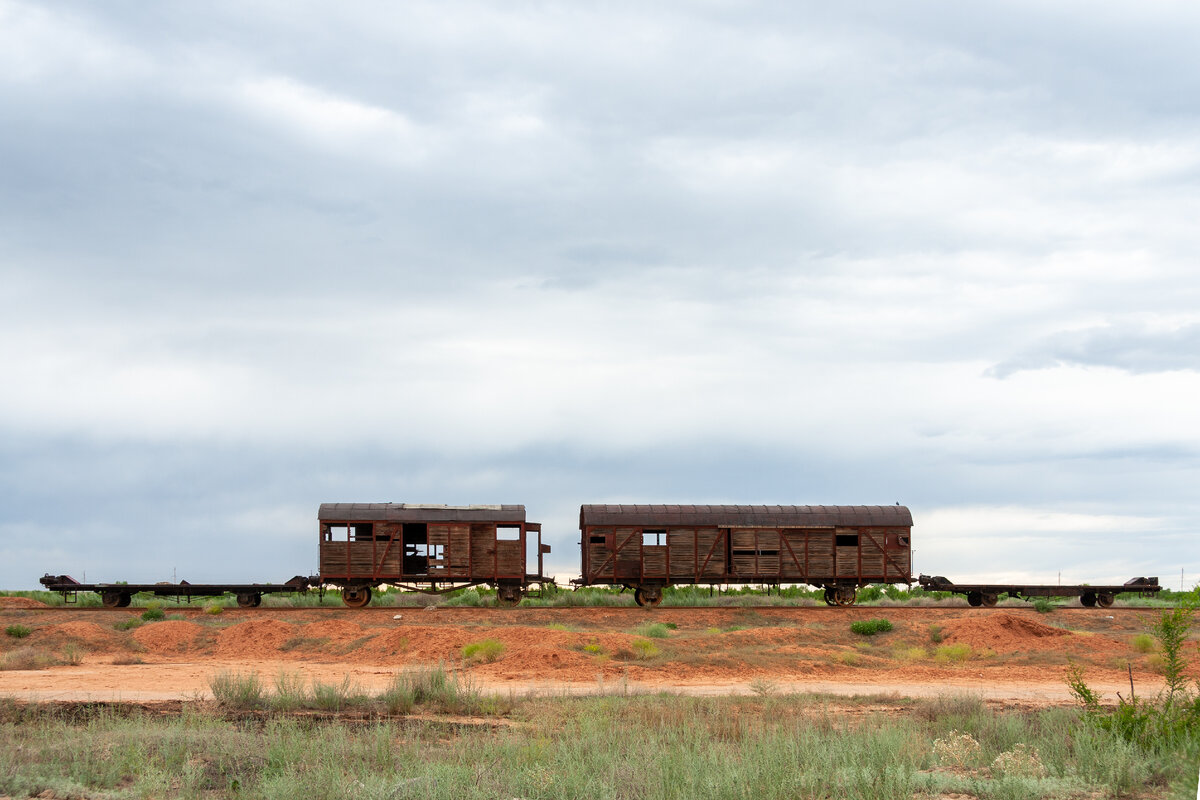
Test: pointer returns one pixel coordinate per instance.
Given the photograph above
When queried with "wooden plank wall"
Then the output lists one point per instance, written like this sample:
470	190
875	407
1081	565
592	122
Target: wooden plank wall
790	555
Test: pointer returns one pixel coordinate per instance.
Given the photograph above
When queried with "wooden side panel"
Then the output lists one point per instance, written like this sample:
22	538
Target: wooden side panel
510	559
628	544
847	556
820	554
654	561
483	550
458	550
600	562
792	564
871	544
681	542
711	551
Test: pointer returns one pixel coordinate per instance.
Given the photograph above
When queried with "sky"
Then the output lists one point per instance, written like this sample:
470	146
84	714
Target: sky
256	257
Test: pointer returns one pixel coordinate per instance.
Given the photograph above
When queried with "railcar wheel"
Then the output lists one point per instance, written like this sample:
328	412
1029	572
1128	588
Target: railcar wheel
975	599
647	597
125	599
845	596
111	599
1105	600
249	600
1088	599
830	597
508	596
990	600
356	596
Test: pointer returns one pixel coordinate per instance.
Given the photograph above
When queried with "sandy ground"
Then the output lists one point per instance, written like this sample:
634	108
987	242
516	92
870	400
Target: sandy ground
1016	655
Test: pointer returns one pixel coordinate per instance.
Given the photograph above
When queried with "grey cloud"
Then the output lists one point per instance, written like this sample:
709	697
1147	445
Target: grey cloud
1134	349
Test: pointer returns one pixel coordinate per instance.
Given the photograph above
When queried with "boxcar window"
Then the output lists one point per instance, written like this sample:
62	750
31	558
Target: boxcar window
508	533
654	538
847	540
596	539
337	533
363	532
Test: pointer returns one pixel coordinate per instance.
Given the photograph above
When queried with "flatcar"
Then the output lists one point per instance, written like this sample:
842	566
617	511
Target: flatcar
430	548
838	548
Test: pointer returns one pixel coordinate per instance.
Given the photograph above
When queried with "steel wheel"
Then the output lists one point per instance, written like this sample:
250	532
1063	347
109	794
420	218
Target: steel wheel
508	596
845	596
647	598
830	597
356	596
1105	600
251	600
111	599
1088	599
990	600
975	599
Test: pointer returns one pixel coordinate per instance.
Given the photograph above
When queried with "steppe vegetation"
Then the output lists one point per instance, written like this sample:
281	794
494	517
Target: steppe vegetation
266	743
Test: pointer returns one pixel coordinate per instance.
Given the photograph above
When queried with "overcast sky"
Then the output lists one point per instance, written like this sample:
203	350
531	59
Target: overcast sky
256	257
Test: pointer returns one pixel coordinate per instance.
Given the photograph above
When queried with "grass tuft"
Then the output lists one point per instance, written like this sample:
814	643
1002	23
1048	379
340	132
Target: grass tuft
18	631
237	690
483	651
953	653
870	627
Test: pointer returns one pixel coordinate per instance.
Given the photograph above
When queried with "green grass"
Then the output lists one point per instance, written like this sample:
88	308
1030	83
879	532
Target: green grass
870	627
1143	643
654	630
770	746
153	615
483	651
18	631
953	653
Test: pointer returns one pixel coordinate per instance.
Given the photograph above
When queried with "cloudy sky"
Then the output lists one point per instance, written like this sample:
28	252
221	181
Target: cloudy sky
256	257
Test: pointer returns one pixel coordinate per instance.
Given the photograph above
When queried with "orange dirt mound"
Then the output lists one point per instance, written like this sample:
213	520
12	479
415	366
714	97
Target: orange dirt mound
338	630
1000	631
169	636
21	602
87	632
255	639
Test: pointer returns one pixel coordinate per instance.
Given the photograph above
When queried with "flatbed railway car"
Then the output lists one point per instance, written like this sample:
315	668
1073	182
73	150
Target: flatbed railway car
429	548
839	548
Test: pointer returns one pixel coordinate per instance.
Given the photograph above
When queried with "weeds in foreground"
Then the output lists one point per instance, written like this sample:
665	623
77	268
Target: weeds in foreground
18	631
1168	721
654	630
870	627
773	746
432	688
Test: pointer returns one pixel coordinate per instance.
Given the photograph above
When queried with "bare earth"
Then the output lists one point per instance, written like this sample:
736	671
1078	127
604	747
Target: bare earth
1017	656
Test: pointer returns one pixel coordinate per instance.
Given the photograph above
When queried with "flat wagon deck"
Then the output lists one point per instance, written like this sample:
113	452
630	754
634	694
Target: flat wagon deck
119	595
988	594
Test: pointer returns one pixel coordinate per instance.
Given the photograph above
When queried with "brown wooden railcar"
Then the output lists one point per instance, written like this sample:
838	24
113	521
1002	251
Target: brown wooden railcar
647	547
430	548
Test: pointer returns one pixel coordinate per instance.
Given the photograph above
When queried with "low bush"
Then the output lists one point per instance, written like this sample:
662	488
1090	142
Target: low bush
27	658
213	609
484	651
18	631
1143	643
957	652
128	624
153	614
654	630
870	627
1043	605
644	649
935	634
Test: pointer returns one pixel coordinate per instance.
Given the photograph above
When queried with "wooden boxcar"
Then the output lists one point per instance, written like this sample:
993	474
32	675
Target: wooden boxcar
429	548
839	548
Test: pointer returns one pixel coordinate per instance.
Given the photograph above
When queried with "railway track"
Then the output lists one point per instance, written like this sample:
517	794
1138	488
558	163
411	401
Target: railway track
196	608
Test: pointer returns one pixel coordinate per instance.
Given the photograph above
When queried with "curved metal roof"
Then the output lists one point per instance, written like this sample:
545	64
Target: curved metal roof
410	512
745	516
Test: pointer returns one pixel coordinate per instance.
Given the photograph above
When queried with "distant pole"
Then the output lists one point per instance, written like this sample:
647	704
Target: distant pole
1060	577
